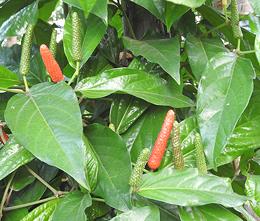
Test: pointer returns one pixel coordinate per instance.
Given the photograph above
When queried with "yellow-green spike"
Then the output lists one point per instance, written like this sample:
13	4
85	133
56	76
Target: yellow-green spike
53	42
237	33
178	159
76	38
200	157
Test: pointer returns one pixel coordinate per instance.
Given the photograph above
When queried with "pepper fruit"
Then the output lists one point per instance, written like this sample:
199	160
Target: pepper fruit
3	136
26	51
161	141
51	64
53	42
176	145
237	33
76	38
200	157
136	176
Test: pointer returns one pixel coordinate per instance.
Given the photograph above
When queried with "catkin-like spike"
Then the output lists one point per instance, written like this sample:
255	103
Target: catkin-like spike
237	33
136	176
176	145
26	51
200	157
76	37
53	42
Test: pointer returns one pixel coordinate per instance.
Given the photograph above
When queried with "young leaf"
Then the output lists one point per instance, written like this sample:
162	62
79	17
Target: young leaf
188	188
223	94
47	122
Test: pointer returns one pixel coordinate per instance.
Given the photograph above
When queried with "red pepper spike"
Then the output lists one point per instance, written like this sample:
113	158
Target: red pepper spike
3	136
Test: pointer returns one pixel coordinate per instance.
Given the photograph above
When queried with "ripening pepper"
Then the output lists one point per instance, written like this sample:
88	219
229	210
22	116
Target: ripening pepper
176	145
3	136
26	51
200	157
51	64
136	176
237	33
161	141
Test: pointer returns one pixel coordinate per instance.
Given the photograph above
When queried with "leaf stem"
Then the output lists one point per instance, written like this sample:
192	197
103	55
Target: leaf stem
98	199
17	91
76	73
5	195
246	52
55	192
30	204
238	45
25	83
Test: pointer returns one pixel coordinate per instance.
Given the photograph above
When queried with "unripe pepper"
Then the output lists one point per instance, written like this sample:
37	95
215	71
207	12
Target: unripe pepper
200	157
26	51
136	176
176	145
51	64
53	42
3	136
161	141
76	37
237	33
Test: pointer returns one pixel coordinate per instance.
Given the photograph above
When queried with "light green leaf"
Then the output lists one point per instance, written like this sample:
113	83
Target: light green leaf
12	156
47	122
189	3
114	166
135	82
147	213
207	213
253	191
256	6
223	94
257	46
165	52
7	78
189	188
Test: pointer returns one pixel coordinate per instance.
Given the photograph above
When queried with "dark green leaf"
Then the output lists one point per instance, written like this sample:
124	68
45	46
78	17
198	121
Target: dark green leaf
22	179
47	122
188	188
223	95
189	3
135	82
7	78
165	52
111	154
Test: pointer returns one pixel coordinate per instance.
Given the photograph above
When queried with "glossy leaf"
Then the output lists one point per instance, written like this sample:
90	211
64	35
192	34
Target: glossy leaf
147	213
207	213
7	78
253	191
13	156
125	110
91	38
189	3
200	51
18	22
134	82
72	205
47	122
143	133
223	95
165	52
257	46
188	188
22	179
112	182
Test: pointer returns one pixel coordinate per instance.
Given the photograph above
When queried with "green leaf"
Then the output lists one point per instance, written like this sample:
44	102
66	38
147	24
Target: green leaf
42	212
91	37
189	3
16	24
111	154
147	213
125	110
257	46
134	82
15	215
96	210
4	97
13	156
143	133
252	187
256	6
72	205
22	179
207	212
188	188
7	78
223	95
165	52
200	51
91	165
47	122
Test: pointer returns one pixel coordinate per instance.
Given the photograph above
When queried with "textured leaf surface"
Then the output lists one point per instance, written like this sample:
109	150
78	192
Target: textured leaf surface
47	122
135	82
7	78
188	188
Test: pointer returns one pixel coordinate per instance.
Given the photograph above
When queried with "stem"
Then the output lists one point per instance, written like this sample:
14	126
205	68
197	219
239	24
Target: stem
76	73
216	28
30	204
238	45
17	91
98	199
246	52
25	83
55	192
5	195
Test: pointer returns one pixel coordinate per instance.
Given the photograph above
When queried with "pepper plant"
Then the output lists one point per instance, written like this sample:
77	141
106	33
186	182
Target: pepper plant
129	110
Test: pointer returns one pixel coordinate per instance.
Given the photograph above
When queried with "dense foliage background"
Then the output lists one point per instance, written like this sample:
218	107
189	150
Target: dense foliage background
71	148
